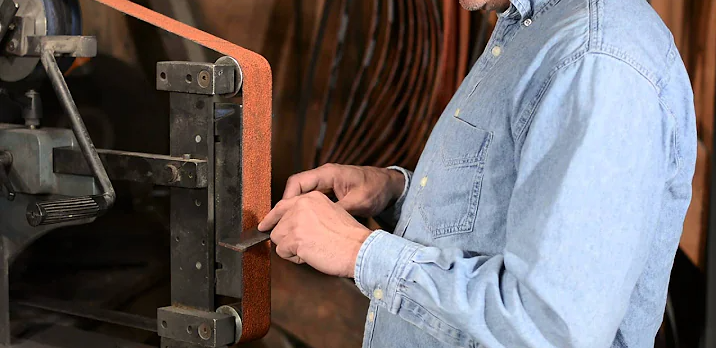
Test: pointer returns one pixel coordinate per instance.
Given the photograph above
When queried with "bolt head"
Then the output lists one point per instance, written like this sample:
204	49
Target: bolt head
204	332
12	45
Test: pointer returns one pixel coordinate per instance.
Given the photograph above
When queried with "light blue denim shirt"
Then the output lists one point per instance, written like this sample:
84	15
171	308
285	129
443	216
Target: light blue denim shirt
548	204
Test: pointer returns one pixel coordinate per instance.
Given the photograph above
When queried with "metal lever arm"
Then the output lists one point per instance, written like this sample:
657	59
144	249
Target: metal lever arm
77	208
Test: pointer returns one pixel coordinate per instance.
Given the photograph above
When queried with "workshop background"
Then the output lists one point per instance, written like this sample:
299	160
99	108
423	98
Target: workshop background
359	82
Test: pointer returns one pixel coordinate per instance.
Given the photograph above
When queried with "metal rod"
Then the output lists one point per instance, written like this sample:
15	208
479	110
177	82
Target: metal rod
84	311
78	126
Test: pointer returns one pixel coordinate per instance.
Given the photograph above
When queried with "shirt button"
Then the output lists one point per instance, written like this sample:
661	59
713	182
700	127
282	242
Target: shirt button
423	181
378	294
527	22
371	316
457	112
496	51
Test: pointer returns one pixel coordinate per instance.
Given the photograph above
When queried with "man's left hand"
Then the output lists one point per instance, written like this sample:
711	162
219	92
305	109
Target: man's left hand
310	228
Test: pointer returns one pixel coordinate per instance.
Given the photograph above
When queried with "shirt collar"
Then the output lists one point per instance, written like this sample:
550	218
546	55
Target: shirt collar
525	8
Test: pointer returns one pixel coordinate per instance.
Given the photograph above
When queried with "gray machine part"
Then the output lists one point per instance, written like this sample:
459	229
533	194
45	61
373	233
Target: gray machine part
31	171
32	22
31	174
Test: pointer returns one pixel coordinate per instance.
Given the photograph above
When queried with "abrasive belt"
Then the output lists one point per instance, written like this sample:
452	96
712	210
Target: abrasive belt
256	154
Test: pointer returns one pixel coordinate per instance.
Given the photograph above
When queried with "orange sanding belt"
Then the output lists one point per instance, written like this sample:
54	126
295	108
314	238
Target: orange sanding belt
256	143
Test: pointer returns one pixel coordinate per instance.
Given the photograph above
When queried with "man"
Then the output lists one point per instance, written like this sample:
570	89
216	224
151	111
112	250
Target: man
549	200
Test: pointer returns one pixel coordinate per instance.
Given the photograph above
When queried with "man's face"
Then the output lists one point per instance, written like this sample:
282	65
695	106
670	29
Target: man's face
474	5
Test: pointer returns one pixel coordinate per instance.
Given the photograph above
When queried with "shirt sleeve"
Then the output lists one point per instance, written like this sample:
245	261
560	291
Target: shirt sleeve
390	216
592	171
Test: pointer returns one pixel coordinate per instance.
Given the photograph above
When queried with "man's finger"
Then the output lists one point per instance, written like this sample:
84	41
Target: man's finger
275	215
319	179
283	252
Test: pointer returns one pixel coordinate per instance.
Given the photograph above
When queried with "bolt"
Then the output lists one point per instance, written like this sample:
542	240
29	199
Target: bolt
204	332
198	265
12	26
197	138
12	45
204	79
171	172
186	156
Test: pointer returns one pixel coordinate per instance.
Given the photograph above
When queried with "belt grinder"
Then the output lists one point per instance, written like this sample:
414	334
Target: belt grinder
218	168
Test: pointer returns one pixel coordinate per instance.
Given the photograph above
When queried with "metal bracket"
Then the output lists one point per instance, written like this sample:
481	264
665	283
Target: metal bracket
208	329
73	46
196	78
136	167
8	9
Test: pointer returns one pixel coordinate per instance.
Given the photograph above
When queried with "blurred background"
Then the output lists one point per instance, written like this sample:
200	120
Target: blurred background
357	82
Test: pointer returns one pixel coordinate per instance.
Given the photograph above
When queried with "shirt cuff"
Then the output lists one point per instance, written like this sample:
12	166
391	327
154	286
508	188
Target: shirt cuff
381	264
389	217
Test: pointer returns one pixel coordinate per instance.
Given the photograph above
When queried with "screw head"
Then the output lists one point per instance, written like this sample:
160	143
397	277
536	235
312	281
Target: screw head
12	45
204	332
204	79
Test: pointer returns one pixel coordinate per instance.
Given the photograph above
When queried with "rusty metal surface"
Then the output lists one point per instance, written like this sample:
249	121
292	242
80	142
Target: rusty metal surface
247	239
207	329
136	167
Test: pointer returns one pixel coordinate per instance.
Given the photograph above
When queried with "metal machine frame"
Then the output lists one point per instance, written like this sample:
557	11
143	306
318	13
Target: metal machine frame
205	173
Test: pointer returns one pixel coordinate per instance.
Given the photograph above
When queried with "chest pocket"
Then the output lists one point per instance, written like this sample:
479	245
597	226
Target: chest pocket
450	192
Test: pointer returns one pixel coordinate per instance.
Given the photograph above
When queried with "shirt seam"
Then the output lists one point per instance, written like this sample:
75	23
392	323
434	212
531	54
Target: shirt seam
524	121
658	85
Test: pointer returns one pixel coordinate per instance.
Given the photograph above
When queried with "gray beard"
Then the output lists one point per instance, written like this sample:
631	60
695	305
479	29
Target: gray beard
482	5
472	6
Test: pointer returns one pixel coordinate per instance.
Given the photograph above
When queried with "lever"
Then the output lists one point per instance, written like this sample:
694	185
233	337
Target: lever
75	208
5	162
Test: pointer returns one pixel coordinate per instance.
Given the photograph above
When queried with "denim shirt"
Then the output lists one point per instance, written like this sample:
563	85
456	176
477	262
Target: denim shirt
548	203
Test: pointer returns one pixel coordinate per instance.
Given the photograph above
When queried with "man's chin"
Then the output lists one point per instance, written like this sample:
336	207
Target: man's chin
472	5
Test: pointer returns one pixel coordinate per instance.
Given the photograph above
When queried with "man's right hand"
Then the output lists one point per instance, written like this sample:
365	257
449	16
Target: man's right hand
361	191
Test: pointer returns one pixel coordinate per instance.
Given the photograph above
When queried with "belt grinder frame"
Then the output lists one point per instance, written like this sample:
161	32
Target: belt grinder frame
219	172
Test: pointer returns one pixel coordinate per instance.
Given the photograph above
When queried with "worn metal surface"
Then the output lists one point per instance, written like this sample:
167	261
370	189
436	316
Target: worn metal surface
208	329
233	310
256	148
91	312
192	223
227	195
71	45
136	167
198	78
245	240
238	74
31	171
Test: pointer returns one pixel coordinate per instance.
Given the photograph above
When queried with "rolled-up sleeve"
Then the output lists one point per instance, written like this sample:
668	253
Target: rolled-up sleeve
595	156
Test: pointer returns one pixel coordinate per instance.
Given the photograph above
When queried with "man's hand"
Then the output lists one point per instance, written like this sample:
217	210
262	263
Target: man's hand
312	229
361	191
